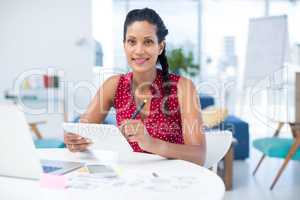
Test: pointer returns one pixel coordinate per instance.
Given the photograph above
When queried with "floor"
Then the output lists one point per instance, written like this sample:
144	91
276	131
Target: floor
246	186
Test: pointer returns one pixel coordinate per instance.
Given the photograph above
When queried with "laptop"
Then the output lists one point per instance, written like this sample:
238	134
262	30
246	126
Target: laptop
18	156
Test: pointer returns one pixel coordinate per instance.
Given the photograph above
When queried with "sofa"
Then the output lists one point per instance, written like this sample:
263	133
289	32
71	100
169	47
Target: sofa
238	127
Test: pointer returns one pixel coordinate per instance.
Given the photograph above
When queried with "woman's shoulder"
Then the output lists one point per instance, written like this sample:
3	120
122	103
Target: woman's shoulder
180	79
118	82
185	84
115	79
110	85
171	76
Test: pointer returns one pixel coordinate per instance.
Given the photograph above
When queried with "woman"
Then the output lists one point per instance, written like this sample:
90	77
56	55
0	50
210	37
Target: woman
170	122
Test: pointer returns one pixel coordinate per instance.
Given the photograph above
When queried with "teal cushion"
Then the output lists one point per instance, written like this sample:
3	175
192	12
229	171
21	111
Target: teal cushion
49	143
276	147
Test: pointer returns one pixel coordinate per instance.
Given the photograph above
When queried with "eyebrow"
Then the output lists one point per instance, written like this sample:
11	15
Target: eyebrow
146	37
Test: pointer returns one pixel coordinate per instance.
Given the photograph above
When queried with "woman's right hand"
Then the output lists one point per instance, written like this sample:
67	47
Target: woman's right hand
76	143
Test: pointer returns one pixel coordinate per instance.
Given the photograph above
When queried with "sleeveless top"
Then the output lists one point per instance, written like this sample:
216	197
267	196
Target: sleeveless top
158	124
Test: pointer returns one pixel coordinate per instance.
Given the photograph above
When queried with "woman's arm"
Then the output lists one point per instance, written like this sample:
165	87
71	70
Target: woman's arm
96	112
102	102
194	148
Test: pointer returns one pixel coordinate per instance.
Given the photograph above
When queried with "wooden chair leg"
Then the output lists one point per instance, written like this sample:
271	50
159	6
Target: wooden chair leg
259	163
277	131
292	151
228	169
35	130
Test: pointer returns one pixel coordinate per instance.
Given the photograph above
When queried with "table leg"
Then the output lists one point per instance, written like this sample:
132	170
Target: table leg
228	168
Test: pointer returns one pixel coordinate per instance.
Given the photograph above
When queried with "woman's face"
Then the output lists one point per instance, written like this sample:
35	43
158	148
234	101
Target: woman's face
141	46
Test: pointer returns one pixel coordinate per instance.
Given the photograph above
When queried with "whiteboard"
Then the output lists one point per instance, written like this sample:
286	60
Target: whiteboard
267	47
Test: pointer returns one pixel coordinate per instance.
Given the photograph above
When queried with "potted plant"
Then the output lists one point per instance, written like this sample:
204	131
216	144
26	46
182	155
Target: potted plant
180	62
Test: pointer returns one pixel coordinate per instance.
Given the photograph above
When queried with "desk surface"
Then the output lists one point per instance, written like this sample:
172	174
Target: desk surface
209	185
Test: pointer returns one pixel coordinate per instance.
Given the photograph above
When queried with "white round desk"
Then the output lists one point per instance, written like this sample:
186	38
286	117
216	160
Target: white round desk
209	186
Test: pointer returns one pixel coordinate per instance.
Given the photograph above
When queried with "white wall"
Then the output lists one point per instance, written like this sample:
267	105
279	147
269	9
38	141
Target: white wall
43	33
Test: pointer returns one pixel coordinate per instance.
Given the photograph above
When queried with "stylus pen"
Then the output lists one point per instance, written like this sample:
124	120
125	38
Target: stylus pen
139	109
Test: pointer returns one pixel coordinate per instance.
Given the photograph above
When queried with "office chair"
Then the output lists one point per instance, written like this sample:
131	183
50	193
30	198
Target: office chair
217	145
275	147
42	142
217	142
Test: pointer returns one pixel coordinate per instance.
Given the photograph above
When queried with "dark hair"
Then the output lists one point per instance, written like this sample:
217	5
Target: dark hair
149	15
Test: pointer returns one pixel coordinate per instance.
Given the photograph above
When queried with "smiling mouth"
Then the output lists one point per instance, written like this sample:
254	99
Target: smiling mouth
140	61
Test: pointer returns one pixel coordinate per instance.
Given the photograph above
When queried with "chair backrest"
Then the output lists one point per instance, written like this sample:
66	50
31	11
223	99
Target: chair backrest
217	145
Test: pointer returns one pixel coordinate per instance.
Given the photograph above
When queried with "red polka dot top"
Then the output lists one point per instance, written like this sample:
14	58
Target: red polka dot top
158	124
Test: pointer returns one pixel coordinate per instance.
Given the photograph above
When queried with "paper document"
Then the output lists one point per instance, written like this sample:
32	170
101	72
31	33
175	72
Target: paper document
132	180
103	136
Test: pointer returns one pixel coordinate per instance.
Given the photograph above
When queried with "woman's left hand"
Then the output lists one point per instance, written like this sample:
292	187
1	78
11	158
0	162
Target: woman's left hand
135	131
